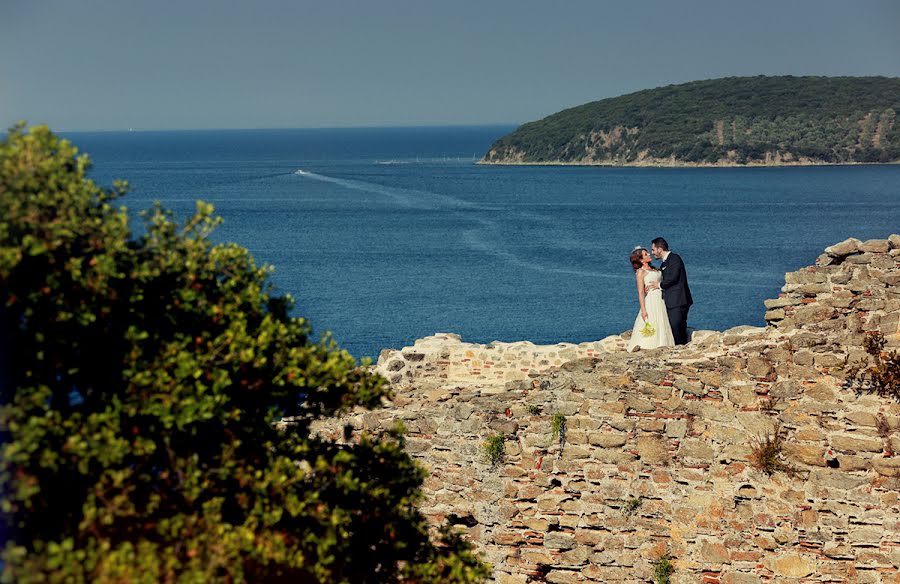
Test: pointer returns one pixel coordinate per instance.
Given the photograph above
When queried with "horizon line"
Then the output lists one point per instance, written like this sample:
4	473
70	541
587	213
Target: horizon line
279	128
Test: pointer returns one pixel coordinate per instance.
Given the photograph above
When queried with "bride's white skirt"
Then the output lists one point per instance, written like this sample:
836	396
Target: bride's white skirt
658	317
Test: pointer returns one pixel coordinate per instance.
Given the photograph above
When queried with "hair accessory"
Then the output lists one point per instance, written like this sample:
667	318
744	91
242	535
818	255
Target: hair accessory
637	247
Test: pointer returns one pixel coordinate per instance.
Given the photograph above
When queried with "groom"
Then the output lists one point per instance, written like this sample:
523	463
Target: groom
676	292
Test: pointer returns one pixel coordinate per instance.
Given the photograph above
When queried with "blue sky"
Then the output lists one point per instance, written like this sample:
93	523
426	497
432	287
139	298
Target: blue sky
90	64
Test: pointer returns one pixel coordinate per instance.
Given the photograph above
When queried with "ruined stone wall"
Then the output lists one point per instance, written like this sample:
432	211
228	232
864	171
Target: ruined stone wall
844	293
445	358
655	455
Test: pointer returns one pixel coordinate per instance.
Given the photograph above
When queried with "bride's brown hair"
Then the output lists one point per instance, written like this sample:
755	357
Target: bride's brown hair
637	259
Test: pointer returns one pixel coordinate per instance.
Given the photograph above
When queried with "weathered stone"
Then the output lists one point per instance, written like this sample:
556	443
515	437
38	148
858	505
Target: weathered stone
639	404
812	314
507	578
693	388
651	376
607	439
836	479
803	357
861	419
807	276
855	444
791	565
774	314
852	463
652	450
811	455
696	451
861	258
809	433
559	540
759	367
828	360
740	578
742	395
875	246
837	550
865	536
575	557
890	279
562	577
588	537
870	304
785	389
846	247
813	289
781	302
676	428
714	552
463	411
889	467
621	423
711	378
396	365
822	392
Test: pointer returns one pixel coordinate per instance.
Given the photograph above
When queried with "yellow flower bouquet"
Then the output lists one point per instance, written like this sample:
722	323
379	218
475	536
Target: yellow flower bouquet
648	330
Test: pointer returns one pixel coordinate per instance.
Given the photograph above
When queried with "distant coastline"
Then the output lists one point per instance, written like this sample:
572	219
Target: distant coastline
681	164
734	121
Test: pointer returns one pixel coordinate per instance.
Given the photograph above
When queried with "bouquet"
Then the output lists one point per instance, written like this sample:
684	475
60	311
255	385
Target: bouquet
648	330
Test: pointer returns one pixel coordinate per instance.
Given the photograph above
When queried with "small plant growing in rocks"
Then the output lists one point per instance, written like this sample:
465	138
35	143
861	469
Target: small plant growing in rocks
885	431
769	404
882	376
495	448
632	505
559	428
767	453
663	569
534	410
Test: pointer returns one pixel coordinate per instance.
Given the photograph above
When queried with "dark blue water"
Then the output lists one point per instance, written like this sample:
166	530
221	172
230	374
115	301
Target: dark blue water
394	234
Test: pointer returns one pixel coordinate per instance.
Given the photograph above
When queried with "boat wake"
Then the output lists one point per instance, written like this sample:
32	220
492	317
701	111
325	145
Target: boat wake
482	237
408	198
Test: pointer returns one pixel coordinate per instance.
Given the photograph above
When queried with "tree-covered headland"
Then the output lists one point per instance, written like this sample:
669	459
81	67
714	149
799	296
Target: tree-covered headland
735	120
141	381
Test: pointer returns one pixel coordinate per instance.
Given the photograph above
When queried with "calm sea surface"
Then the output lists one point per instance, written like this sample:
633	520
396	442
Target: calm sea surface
388	235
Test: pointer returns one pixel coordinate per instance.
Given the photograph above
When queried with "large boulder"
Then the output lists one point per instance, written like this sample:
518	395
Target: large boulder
844	248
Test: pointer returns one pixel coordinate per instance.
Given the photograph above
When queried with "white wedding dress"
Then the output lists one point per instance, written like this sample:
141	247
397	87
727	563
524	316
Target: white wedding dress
657	316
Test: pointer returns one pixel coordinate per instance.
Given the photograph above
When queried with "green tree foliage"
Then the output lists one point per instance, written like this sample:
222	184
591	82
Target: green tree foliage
738	119
143	380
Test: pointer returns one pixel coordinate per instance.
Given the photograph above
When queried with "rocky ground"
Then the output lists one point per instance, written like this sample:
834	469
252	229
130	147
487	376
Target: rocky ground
614	460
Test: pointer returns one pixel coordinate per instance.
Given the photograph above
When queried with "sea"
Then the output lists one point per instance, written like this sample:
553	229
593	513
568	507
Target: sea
386	235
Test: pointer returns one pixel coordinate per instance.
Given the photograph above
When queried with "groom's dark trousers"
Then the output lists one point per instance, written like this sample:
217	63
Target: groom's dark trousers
677	295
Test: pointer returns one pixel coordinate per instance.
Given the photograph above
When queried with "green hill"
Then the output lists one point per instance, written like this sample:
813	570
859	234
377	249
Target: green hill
730	121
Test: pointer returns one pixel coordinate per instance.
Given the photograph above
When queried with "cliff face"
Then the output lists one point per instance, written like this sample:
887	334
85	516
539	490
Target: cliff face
654	456
720	122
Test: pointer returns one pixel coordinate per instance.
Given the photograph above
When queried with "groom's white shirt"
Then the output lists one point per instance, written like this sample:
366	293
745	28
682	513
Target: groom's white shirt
665	255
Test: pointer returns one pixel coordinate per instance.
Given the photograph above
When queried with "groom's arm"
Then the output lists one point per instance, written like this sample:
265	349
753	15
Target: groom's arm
673	273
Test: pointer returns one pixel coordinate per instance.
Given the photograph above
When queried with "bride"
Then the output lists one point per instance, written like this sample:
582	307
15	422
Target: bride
651	327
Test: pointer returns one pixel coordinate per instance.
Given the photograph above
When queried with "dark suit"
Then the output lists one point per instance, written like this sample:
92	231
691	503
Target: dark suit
677	295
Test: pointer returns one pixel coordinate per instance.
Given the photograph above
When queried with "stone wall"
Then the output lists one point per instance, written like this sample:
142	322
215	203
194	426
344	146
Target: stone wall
655	455
851	289
444	358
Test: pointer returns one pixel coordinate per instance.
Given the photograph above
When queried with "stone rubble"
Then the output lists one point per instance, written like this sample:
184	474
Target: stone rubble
656	452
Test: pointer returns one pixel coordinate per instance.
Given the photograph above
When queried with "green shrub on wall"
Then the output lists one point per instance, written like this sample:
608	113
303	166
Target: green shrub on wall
141	381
